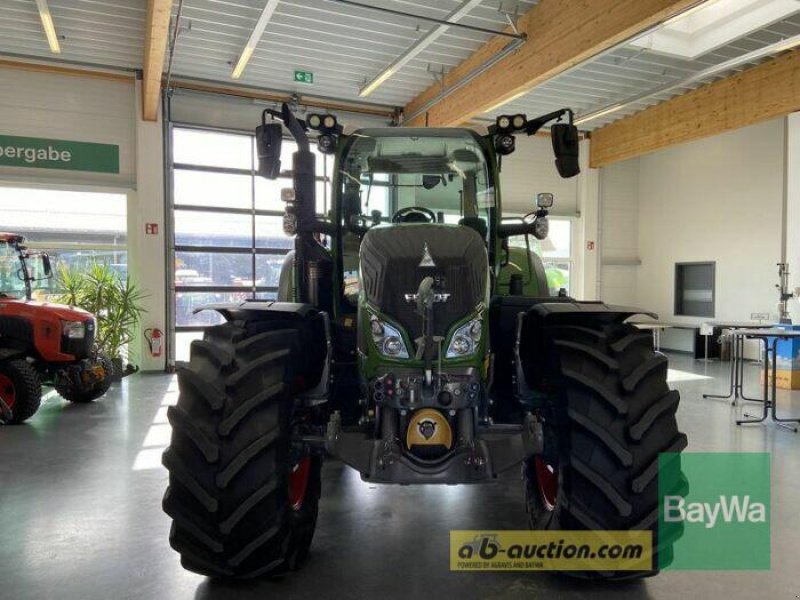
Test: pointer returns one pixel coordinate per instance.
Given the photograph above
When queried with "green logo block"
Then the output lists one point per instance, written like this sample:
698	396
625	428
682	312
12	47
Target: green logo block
721	520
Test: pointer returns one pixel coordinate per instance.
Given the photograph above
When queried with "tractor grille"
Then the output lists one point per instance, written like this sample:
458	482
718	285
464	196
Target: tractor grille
390	269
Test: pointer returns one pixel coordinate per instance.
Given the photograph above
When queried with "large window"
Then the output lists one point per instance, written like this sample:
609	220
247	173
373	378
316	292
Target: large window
694	289
228	242
76	228
556	253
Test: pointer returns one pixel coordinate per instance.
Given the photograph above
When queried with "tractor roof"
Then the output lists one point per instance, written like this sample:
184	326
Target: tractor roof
11	238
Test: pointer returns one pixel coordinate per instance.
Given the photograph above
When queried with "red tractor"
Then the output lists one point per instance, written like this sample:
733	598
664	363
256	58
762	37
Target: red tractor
42	343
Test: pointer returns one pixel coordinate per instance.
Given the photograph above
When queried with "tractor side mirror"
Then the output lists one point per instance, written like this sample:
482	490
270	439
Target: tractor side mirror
47	266
565	148
269	137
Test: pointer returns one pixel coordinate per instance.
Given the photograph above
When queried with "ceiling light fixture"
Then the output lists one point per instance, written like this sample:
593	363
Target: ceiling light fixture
255	37
49	26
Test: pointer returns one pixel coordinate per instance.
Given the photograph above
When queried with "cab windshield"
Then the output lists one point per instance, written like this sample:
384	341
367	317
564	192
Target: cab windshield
442	173
11	283
411	176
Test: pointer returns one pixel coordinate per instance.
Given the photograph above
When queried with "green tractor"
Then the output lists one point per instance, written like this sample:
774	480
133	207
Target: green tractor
410	342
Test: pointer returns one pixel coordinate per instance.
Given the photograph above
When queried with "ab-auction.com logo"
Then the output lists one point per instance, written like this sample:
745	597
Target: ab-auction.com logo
550	550
715	509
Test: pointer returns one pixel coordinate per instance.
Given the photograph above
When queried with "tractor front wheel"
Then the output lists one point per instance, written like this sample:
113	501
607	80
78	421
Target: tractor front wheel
20	389
96	387
242	497
603	438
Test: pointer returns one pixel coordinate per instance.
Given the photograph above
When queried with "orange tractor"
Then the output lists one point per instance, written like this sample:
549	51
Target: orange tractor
42	343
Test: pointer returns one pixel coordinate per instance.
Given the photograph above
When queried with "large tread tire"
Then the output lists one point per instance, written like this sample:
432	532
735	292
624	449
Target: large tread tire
230	458
605	439
27	389
83	395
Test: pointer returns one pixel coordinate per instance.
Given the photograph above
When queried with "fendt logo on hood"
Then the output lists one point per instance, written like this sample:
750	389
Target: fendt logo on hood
439	297
427	259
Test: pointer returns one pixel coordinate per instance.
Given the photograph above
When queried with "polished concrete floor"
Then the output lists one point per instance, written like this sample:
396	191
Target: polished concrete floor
80	515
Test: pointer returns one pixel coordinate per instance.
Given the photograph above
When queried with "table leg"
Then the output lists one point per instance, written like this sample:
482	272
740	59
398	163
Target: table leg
741	375
733	371
766	390
774	408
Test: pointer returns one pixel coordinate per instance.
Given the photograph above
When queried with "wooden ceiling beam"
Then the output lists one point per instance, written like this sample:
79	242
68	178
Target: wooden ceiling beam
561	34
758	94
155	50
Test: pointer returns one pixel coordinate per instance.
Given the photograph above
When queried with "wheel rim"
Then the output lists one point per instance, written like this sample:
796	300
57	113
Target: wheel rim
7	391
298	483
547	480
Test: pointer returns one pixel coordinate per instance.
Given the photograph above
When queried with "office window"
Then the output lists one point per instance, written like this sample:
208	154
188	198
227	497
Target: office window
694	289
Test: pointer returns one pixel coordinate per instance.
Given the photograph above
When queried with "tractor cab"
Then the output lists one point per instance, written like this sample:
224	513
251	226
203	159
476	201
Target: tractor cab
398	179
20	269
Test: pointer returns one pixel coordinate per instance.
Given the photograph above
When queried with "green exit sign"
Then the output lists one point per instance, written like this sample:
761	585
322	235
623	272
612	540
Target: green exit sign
304	77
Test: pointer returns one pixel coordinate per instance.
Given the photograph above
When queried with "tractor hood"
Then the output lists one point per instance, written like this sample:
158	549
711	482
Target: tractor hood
33	308
396	258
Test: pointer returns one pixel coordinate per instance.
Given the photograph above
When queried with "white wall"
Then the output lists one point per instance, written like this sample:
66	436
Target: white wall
63	107
718	199
619	244
793	209
531	169
147	253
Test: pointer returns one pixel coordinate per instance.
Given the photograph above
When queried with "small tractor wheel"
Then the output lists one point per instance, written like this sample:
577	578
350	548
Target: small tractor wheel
91	392
20	389
242	498
600	471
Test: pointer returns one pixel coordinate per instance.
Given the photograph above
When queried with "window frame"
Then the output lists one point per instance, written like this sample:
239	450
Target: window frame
678	308
171	206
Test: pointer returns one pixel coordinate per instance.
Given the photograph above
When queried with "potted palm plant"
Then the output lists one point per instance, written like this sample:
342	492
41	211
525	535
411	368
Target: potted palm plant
114	300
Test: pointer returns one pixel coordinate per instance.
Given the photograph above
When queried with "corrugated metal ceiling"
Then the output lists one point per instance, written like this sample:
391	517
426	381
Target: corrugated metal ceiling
628	71
345	46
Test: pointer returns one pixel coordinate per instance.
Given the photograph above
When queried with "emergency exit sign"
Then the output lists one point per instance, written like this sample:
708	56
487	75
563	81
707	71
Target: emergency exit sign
304	77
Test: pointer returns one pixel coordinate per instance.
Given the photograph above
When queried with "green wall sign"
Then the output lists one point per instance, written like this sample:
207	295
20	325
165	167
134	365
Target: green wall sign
42	153
304	76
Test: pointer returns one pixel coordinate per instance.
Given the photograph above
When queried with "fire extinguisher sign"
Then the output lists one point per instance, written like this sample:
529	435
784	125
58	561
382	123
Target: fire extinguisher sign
155	339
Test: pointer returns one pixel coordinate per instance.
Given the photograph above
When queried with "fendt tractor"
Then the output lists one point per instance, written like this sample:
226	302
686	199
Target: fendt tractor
42	343
406	343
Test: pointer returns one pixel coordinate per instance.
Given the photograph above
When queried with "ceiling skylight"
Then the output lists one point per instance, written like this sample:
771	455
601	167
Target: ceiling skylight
714	24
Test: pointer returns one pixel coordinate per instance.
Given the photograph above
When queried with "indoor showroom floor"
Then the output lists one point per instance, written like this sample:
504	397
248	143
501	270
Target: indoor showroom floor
81	487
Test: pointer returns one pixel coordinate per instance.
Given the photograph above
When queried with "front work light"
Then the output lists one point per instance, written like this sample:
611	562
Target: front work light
388	340
465	340
504	144
326	143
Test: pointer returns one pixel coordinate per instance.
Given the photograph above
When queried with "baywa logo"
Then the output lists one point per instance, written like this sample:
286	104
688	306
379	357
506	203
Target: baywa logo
729	508
715	509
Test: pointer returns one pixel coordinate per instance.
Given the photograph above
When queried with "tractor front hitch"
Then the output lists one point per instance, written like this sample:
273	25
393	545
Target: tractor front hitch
495	449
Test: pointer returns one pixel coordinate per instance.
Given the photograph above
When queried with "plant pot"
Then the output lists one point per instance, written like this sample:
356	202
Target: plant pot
116	375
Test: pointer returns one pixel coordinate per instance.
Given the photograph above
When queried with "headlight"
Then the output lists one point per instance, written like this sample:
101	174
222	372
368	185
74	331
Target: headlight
74	330
541	227
387	339
465	340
